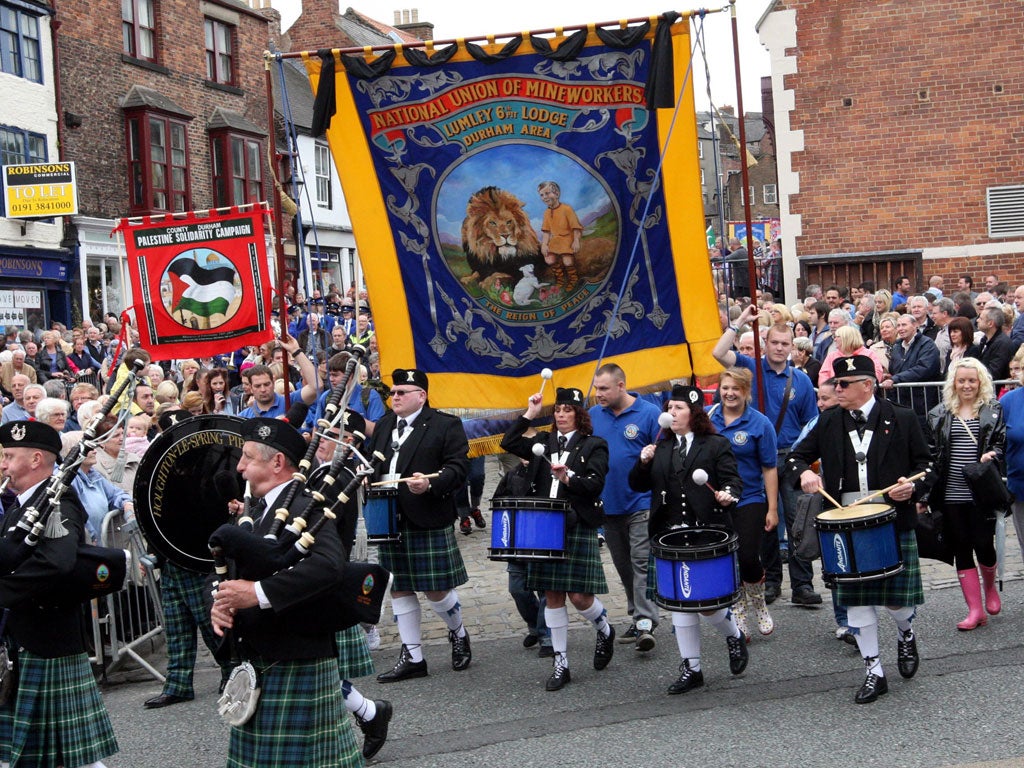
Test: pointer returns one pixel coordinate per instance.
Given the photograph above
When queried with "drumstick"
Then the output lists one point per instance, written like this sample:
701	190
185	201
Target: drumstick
835	503
664	422
884	491
405	479
545	374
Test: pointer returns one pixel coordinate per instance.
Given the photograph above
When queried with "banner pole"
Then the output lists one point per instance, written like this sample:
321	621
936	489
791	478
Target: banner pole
278	219
751	268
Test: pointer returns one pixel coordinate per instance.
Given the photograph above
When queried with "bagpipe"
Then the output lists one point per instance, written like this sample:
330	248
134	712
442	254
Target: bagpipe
358	591
97	571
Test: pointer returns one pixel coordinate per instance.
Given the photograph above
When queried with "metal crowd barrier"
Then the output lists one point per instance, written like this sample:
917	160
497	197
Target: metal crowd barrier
126	623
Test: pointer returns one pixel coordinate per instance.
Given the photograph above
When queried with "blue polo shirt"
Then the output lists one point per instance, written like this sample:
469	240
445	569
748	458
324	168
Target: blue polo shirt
1013	412
374	410
626	434
752	438
803	404
277	409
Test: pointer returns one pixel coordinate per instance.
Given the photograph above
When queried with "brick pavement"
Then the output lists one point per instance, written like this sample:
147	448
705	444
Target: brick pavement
488	610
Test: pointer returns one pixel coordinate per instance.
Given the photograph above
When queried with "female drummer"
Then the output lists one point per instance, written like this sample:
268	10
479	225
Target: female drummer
752	437
968	426
676	499
572	467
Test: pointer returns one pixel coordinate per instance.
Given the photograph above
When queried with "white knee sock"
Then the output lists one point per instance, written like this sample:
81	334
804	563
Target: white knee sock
407	614
557	620
360	706
450	611
864	618
598	616
687	629
723	621
904	617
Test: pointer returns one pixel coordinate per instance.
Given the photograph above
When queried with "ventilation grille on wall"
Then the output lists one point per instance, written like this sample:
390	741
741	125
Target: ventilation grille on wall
1005	211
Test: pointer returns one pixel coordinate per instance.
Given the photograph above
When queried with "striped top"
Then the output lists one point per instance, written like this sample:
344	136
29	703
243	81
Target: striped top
962	450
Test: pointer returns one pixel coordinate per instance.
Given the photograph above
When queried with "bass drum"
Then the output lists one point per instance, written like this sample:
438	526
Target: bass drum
183	485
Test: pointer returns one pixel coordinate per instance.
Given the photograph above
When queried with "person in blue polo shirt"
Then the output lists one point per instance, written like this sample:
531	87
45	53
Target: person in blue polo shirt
789	403
370	408
265	401
752	438
627	423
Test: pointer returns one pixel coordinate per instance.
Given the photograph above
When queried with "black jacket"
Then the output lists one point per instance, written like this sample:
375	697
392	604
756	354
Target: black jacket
992	437
996	354
437	444
675	498
588	460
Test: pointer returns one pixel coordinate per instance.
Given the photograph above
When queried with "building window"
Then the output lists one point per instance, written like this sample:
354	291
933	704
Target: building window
18	146
770	195
220	46
322	161
753	197
158	172
700	149
19	44
237	171
138	28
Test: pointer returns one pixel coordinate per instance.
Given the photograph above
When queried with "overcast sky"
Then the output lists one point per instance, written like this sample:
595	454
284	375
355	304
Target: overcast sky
451	19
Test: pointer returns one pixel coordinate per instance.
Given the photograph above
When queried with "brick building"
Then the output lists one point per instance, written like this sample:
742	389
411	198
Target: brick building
898	129
164	109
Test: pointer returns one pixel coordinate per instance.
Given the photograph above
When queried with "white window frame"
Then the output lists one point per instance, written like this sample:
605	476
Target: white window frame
322	172
770	194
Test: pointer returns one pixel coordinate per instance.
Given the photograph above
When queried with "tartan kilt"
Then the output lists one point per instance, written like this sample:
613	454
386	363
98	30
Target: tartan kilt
56	717
354	658
902	589
424	560
299	721
581	571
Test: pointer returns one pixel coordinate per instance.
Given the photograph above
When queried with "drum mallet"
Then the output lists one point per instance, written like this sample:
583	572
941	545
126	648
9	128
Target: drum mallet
538	451
545	376
884	491
431	476
700	477
665	423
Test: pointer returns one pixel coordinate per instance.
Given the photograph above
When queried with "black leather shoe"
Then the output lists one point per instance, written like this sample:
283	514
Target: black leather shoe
738	656
874	686
605	648
907	659
807	598
375	731
771	593
461	653
530	640
688	680
164	700
546	652
559	679
405	669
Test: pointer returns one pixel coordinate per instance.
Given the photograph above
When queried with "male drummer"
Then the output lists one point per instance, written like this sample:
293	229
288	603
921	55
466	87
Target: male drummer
47	636
298	720
868	444
420	443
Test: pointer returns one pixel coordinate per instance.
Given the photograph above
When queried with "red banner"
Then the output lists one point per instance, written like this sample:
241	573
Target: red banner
200	282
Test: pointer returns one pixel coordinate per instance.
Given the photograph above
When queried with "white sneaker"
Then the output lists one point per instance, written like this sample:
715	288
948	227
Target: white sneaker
840	632
373	638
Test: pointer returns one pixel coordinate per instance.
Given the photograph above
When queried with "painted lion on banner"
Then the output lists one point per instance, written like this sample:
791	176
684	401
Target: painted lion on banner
497	237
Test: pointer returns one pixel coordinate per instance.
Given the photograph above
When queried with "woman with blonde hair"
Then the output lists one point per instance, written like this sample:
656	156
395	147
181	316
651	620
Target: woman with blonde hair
780	314
849	342
968	426
886	329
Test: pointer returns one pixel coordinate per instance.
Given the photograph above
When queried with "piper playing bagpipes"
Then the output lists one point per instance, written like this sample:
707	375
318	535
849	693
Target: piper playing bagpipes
52	670
273	620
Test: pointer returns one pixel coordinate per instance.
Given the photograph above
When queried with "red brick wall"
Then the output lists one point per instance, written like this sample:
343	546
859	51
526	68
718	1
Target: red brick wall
893	171
94	80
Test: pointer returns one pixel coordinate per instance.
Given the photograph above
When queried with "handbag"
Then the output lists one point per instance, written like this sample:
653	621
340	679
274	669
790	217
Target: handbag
983	478
806	545
932	541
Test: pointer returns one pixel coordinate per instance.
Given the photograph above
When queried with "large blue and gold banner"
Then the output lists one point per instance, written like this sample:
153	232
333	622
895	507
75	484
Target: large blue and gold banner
509	212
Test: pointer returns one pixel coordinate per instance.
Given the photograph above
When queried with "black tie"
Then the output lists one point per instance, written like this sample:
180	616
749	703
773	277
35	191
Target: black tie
860	420
259	507
682	448
561	443
402	424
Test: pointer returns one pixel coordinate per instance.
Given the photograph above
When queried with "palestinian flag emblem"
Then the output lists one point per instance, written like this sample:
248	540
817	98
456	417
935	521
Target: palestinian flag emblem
201	289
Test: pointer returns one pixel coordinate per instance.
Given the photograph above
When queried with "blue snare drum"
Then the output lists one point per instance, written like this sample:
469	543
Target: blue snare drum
380	513
858	543
527	529
697	569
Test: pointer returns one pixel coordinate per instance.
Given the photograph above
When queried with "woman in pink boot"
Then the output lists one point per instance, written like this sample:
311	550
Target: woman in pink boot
968	426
